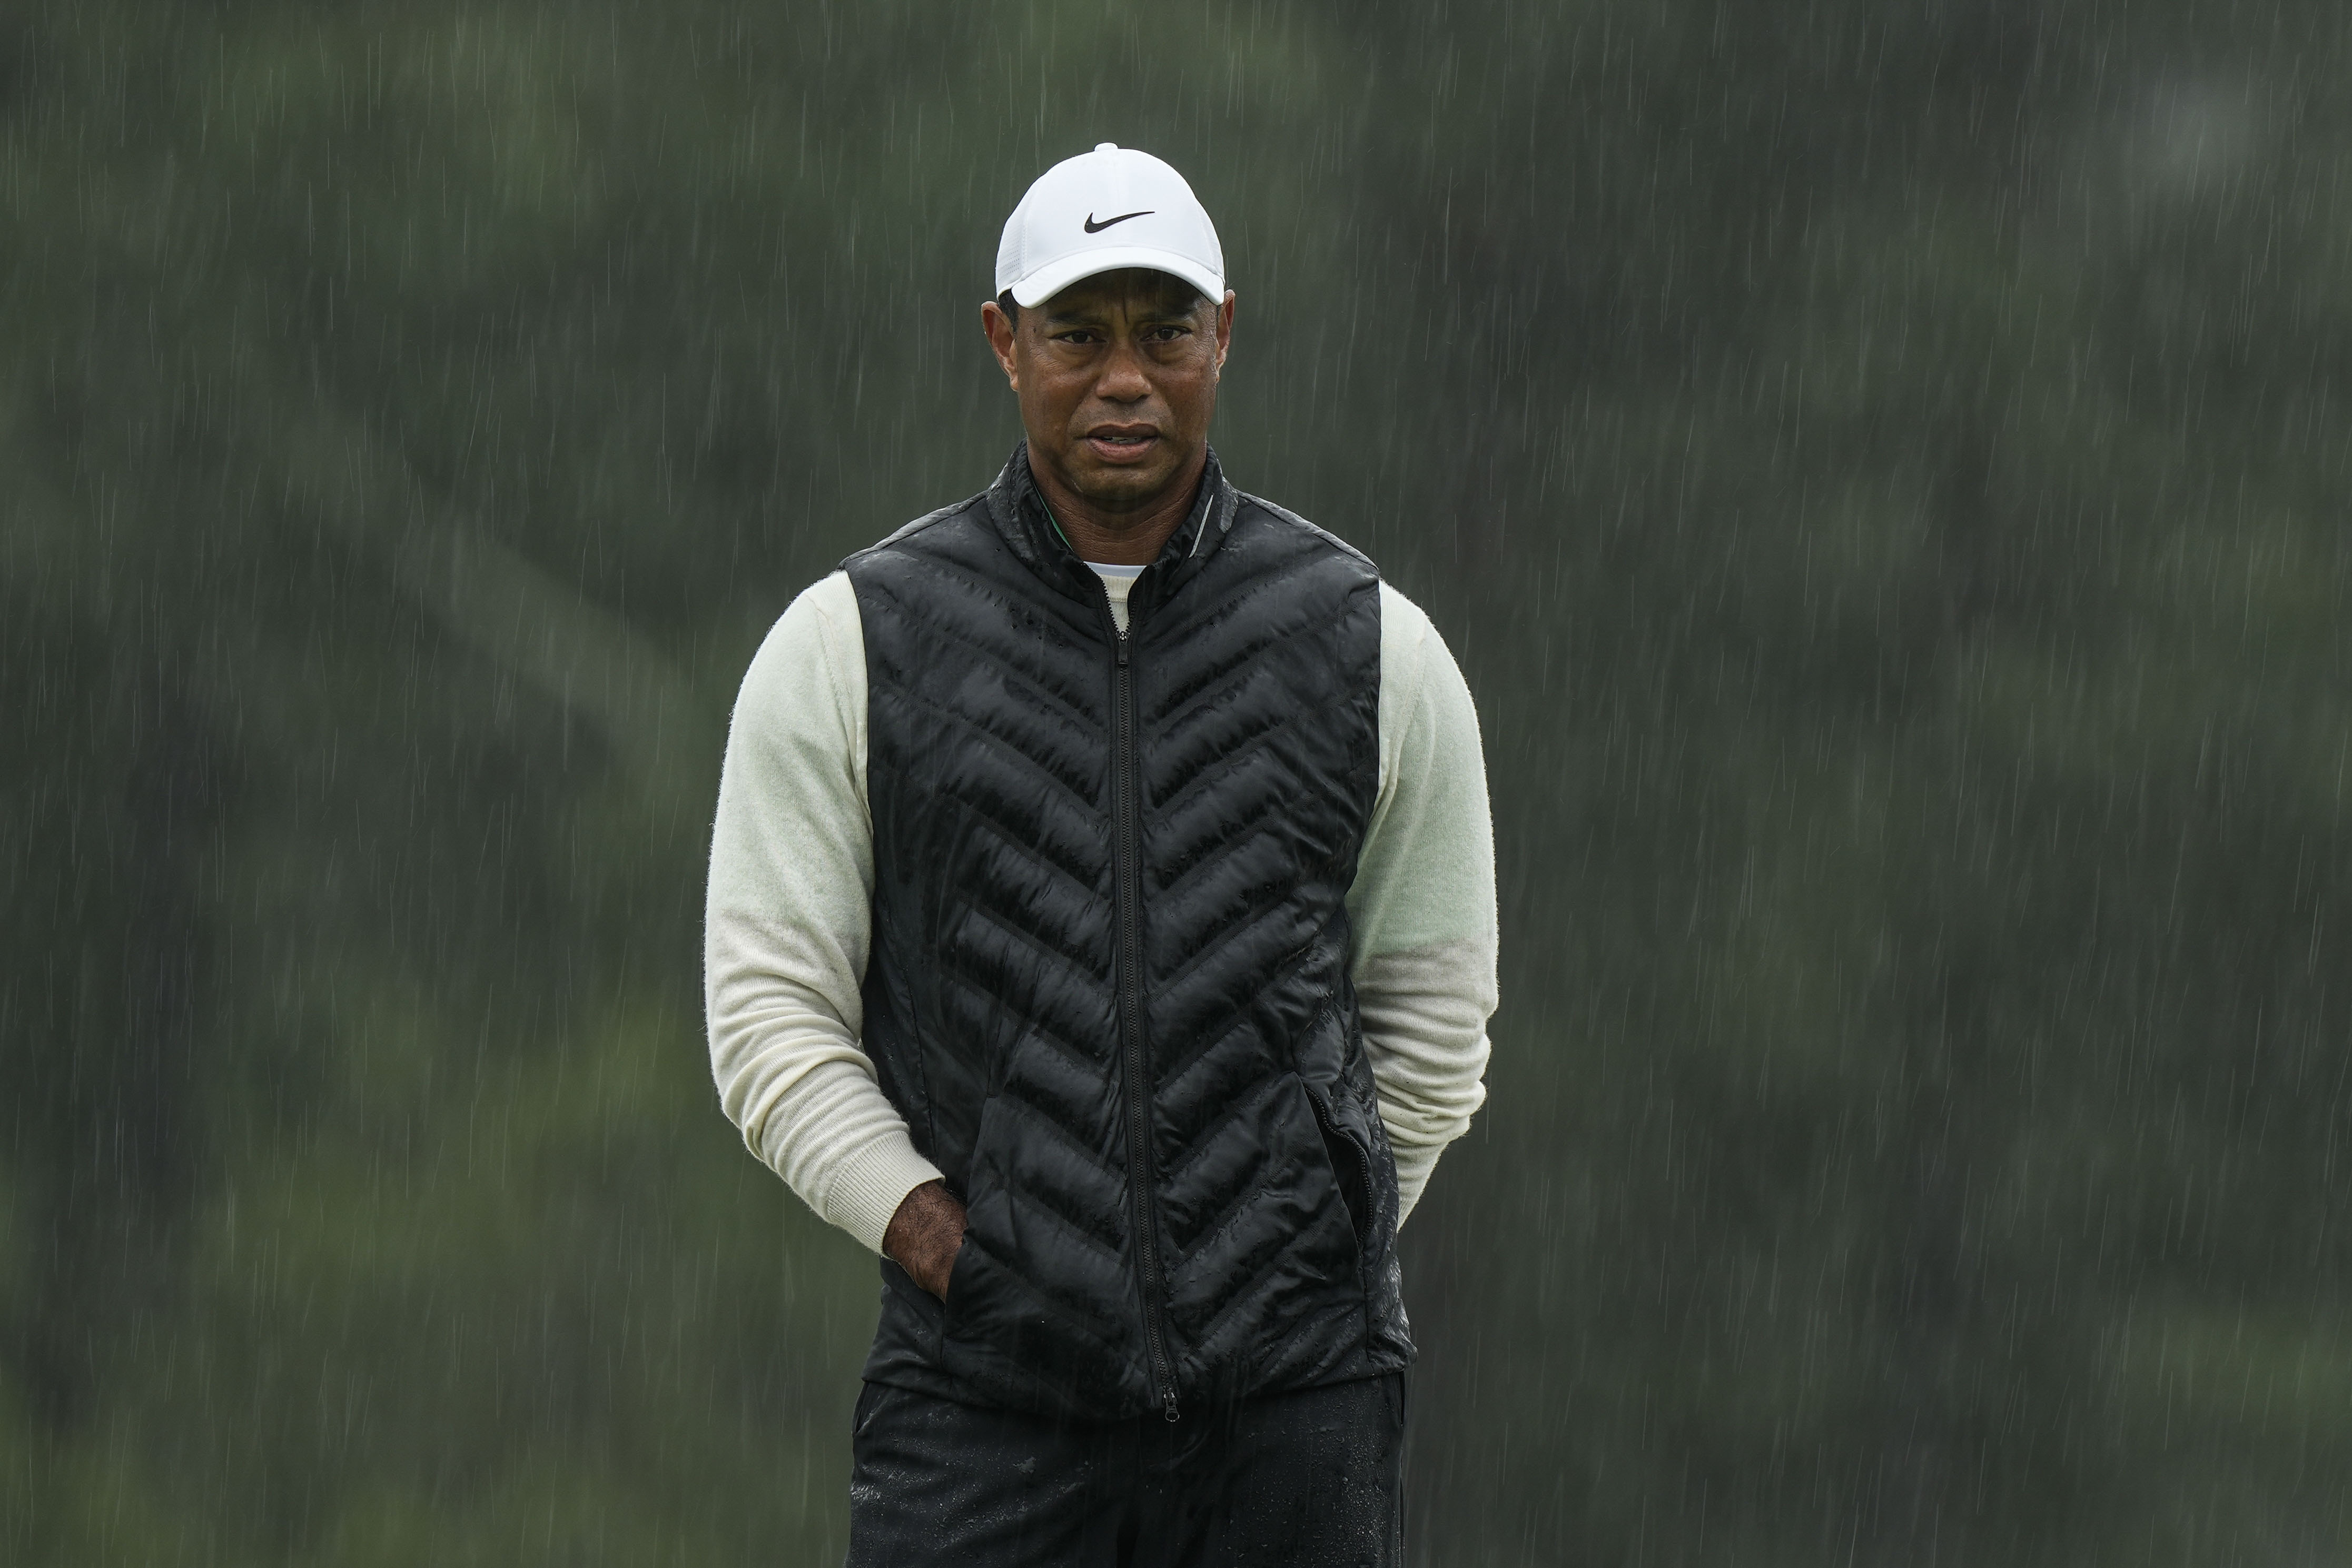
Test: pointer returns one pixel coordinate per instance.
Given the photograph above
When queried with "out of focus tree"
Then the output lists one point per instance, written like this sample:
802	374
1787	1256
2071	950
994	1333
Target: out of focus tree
1879	464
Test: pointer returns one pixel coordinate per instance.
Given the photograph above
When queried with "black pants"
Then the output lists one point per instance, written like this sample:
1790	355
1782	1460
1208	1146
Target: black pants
1301	1479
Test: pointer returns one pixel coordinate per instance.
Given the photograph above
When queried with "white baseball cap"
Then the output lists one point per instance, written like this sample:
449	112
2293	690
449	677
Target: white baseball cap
1101	211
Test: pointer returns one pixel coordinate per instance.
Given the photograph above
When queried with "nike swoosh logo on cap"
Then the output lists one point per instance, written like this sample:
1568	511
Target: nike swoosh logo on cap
1095	228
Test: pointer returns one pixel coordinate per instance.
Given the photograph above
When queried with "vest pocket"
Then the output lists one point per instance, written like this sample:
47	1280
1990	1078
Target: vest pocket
956	1272
1351	1167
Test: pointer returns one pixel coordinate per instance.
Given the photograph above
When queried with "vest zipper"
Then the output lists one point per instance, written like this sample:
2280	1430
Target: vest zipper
1127	877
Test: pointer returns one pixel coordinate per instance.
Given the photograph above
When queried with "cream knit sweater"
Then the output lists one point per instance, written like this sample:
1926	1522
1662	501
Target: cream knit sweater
791	880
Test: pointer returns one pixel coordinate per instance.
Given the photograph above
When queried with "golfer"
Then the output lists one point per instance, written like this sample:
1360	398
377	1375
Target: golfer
1101	929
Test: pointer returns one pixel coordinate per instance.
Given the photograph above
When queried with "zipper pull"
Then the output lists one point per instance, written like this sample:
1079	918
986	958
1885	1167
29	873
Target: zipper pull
1168	1411
1122	650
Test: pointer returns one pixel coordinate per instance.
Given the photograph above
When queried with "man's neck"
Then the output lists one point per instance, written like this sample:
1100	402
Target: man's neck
1128	537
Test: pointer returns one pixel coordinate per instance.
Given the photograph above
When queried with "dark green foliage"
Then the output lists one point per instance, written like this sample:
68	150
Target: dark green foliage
1880	464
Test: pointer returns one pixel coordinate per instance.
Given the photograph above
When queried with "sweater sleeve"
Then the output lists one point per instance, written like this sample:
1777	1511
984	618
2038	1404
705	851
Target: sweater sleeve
1422	906
788	922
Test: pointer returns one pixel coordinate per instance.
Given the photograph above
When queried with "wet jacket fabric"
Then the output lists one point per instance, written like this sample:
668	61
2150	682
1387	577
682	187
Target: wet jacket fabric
1108	985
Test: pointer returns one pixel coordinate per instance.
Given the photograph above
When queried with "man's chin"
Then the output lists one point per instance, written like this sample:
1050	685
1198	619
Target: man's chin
1123	486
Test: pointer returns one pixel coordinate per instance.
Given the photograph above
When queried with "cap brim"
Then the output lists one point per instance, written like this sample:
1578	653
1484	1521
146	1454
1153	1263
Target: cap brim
1060	273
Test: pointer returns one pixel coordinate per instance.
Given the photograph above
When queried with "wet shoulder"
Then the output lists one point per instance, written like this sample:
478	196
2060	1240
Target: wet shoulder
932	530
1290	534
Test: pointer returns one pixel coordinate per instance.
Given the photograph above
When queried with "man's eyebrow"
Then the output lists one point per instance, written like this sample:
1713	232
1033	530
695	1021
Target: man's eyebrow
1159	312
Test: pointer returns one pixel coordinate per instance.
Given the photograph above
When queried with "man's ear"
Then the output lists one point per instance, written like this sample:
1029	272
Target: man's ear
1000	330
1225	326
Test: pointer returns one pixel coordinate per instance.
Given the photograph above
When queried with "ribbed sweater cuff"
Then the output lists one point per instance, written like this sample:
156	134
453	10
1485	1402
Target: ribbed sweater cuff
870	1184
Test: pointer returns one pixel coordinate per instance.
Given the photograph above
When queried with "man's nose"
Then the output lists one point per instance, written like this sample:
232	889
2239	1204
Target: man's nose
1122	379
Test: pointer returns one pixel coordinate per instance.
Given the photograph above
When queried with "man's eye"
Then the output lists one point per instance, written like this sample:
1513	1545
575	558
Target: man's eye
1081	338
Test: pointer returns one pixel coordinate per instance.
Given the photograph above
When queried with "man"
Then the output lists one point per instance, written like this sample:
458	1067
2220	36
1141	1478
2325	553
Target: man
1102	929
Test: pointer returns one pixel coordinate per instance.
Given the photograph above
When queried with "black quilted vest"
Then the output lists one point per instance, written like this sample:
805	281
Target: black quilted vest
1108	988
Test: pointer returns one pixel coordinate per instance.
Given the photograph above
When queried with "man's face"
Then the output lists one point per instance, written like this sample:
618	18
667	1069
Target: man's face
1118	379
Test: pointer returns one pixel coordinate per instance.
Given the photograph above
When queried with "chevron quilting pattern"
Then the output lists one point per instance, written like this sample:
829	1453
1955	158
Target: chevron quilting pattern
992	994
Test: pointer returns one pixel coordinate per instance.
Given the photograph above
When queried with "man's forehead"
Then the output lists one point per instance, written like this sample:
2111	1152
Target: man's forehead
1134	288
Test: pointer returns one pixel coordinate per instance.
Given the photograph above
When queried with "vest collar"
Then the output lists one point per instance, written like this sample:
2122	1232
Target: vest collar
1027	526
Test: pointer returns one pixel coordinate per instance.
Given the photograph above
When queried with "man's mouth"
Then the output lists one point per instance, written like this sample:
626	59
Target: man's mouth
1115	442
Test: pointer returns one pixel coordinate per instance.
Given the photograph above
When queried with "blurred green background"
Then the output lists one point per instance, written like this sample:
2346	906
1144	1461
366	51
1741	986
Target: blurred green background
1881	464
